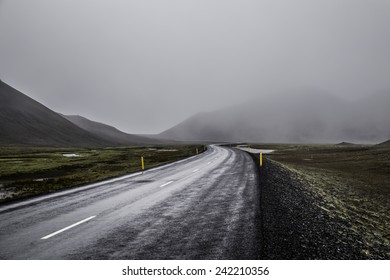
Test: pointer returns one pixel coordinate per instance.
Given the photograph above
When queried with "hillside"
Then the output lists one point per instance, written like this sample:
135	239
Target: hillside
109	133
386	143
24	121
308	117
345	144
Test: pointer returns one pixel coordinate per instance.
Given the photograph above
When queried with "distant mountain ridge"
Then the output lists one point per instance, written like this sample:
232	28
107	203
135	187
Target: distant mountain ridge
312	117
109	133
386	143
24	121
345	144
308	117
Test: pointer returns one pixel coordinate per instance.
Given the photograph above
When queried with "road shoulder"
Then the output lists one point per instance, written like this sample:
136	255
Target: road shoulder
295	222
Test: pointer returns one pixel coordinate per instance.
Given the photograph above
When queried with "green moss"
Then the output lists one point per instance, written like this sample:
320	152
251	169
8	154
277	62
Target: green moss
353	180
30	171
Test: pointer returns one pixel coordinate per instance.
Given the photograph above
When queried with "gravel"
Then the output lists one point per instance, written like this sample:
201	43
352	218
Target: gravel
295	223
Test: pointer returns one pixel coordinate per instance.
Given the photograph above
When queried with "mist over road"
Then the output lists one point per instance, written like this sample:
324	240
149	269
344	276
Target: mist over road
204	207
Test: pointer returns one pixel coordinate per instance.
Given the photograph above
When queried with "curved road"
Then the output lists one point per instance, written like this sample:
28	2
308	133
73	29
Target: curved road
204	207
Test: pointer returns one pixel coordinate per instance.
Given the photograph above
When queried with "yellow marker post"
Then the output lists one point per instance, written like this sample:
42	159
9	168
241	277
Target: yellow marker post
142	163
261	159
197	152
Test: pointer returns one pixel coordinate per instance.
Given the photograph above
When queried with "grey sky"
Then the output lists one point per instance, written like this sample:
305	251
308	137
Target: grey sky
145	65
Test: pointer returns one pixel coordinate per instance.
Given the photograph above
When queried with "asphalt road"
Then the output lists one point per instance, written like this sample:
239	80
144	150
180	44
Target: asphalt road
204	207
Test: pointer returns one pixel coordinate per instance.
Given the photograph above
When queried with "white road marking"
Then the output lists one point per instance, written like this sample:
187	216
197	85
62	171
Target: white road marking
87	187
166	184
195	170
68	227
209	162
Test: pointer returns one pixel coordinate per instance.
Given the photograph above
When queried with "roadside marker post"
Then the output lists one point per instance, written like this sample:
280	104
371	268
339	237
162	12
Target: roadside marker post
142	164
261	159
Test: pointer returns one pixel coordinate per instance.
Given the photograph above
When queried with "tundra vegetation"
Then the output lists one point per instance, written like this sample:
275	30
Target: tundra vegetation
353	180
32	171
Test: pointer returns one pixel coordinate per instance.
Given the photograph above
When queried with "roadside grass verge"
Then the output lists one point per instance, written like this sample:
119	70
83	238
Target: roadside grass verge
32	171
353	180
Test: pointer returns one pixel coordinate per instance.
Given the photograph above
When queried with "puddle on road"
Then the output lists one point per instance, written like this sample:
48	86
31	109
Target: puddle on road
142	181
254	151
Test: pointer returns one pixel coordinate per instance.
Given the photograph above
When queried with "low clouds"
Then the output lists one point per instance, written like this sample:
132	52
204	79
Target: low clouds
144	66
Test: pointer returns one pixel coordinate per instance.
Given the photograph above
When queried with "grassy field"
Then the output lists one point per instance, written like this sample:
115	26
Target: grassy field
26	172
354	181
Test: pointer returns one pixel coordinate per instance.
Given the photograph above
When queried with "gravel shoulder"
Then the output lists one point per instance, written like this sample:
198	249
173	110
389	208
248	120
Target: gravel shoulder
296	224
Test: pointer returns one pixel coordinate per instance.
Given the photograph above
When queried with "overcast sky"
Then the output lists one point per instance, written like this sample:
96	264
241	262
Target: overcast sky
145	65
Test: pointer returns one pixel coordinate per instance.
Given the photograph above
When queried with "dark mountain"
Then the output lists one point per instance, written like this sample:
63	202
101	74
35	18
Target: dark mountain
345	144
311	117
24	121
386	143
109	133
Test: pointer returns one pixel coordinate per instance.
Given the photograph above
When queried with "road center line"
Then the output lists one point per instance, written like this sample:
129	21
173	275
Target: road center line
195	170
68	227
166	184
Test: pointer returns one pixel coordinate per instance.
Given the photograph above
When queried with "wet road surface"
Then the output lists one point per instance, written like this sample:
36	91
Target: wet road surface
204	207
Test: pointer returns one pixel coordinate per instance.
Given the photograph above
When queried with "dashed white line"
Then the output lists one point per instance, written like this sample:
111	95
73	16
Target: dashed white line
68	227
209	162
195	170
166	184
